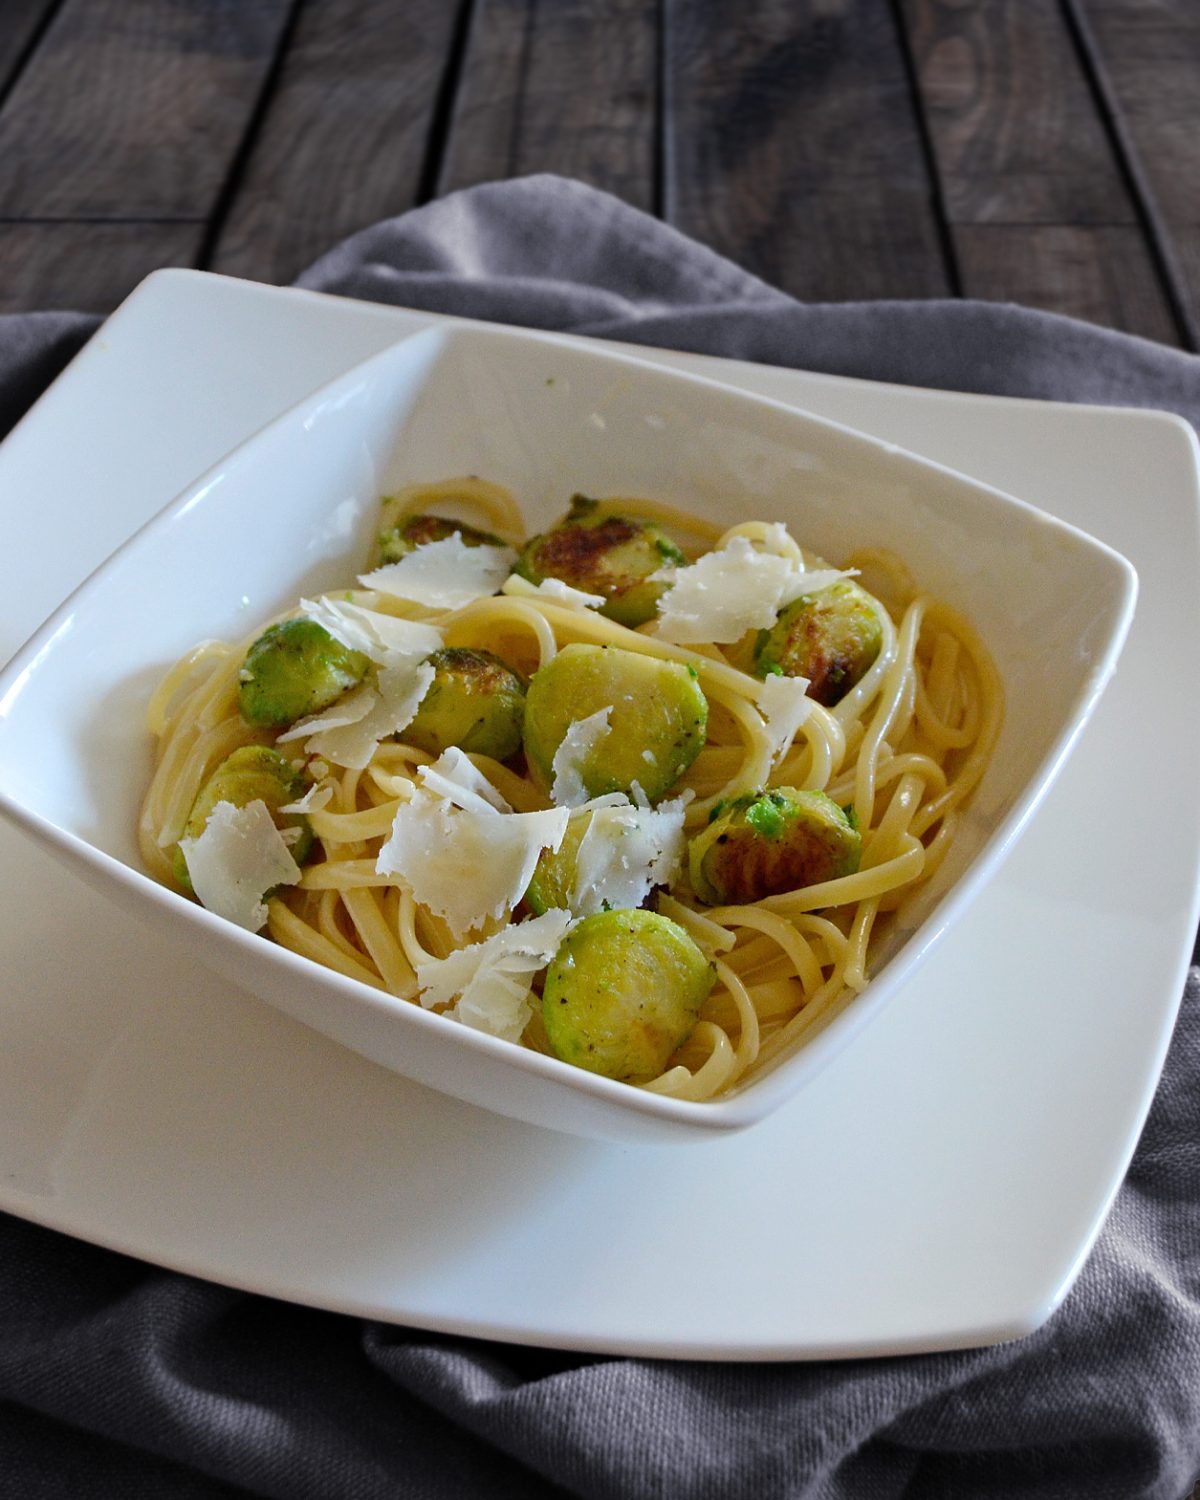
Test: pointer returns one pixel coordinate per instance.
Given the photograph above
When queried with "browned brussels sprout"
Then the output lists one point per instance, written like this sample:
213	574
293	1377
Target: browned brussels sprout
830	637
475	701
767	842
400	535
604	554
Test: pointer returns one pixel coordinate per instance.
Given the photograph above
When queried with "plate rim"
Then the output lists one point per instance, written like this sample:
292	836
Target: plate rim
1035	1314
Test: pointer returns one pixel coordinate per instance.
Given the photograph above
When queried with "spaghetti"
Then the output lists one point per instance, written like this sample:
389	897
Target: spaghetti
904	748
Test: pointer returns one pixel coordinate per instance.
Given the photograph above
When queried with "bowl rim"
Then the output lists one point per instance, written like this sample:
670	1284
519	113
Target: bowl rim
759	1095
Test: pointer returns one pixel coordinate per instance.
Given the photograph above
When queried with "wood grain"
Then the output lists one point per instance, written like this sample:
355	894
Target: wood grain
133	109
1077	270
568	87
1038	209
345	138
1150	52
86	267
812	141
793	147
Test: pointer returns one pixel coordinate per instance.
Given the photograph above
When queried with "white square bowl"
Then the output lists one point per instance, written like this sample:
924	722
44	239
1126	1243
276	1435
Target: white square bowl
292	511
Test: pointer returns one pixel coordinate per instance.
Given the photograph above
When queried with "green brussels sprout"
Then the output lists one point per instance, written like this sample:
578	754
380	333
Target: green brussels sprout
767	842
252	773
604	554
623	992
400	535
553	877
295	669
475	701
830	637
656	723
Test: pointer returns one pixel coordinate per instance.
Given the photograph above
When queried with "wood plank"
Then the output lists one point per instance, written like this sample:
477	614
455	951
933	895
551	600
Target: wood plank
86	267
794	148
345	137
1077	270
1150	53
134	109
568	88
1023	151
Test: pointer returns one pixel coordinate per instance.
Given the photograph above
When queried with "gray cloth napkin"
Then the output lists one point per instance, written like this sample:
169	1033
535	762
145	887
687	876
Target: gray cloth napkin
120	1380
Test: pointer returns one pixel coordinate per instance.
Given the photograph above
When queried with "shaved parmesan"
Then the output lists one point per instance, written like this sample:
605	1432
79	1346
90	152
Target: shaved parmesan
378	636
350	708
553	591
579	742
812	581
454	777
496	1003
736	588
390	705
348	730
492	979
238	857
313	800
784	705
465	864
624	853
779	541
445	574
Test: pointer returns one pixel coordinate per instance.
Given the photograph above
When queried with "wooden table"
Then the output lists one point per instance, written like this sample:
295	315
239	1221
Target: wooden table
1026	150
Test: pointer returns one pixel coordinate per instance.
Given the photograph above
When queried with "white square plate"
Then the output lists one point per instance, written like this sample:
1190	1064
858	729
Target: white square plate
945	1176
291	513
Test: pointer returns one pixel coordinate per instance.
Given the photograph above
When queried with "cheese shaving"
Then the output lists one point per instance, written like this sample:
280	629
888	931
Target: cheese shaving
445	574
455	778
378	636
579	742
624	853
734	589
812	581
350	708
777	539
464	864
348	730
236	860
313	800
784	705
492	979
392	703
553	591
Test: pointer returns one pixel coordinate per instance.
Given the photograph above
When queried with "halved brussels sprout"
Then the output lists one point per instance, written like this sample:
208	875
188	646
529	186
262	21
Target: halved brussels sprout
475	701
623	992
656	723
294	669
252	773
553	879
830	637
401	534
604	554
767	842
